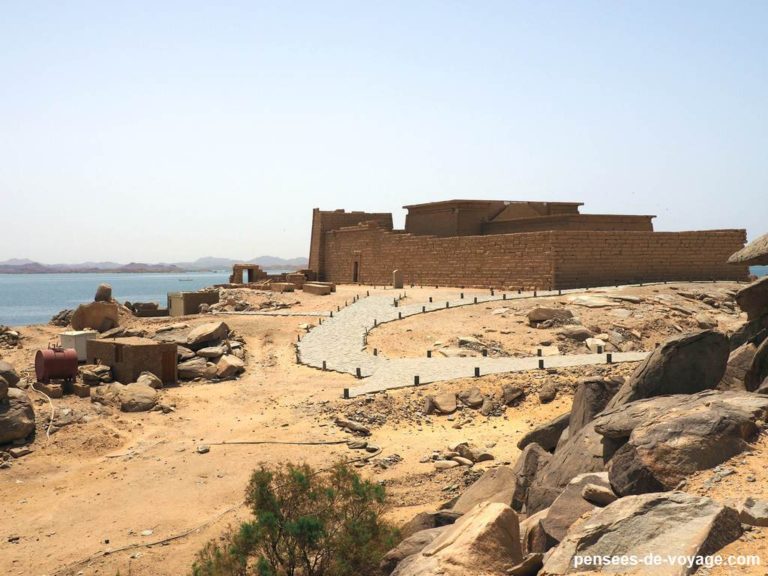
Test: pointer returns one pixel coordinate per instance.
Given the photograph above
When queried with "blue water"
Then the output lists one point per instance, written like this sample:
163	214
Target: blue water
35	298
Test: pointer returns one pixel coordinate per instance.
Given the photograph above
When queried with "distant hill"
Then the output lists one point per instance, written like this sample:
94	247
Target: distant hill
266	262
26	266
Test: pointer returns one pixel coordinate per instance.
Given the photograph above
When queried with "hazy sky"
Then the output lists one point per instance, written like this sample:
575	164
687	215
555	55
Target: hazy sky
165	131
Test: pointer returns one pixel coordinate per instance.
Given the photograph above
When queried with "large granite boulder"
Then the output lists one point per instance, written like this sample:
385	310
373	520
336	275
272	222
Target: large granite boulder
586	451
753	299
739	362
207	334
533	539
591	397
758	368
128	397
149	379
229	366
666	525
698	432
533	458
103	293
9	373
483	542
754	331
541	314
17	418
101	316
546	435
409	546
196	367
684	364
571	505
427	520
495	485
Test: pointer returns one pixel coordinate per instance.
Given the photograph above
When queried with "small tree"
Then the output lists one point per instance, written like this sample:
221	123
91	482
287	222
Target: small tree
305	524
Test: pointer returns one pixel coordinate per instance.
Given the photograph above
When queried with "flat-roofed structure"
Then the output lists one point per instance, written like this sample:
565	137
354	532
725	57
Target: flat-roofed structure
514	244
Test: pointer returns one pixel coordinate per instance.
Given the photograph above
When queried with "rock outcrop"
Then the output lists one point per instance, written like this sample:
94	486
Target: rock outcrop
101	316
697	432
495	485
128	398
17	418
682	365
546	435
753	299
483	542
670	525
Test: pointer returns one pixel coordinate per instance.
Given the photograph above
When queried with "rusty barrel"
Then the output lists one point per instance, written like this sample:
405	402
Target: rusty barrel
56	363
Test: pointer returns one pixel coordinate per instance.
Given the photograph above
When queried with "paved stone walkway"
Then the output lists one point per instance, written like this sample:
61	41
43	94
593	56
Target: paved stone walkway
321	314
340	339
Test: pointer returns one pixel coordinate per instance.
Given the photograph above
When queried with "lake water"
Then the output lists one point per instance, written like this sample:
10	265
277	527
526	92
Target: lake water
35	298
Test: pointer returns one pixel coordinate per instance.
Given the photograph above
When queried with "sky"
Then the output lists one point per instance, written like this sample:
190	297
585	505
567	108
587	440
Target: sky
166	131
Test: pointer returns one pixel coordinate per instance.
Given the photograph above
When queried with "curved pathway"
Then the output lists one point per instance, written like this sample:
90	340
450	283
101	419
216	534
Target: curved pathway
340	340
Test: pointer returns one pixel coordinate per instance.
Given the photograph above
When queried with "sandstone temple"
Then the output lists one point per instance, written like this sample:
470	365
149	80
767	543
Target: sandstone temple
514	244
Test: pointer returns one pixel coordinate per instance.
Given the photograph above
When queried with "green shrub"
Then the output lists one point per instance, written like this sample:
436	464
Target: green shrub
304	524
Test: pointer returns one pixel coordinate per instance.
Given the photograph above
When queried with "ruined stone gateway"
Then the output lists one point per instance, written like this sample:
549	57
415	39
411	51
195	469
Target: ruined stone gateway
525	245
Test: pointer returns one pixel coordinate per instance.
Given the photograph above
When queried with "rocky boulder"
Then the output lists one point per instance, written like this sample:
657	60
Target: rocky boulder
758	368
427	520
684	364
408	547
194	368
483	542
443	403
229	366
739	362
511	394
577	333
696	432
671	524
103	293
149	379
547	393
495	485
570	505
101	316
546	435
539	315
129	398
586	451
207	334
533	539
212	351
472	397
9	374
533	458
753	512
753	299
591	397
17	418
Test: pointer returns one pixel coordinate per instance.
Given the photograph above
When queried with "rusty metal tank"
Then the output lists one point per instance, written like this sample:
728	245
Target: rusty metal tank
56	363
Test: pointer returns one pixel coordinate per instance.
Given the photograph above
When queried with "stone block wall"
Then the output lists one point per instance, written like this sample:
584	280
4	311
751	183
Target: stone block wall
324	221
522	260
544	260
600	258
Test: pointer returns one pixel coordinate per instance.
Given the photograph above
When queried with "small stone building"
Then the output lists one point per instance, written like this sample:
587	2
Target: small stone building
129	357
184	303
514	244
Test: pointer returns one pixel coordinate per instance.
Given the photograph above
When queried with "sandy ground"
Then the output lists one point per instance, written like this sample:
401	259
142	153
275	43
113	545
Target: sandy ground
96	486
